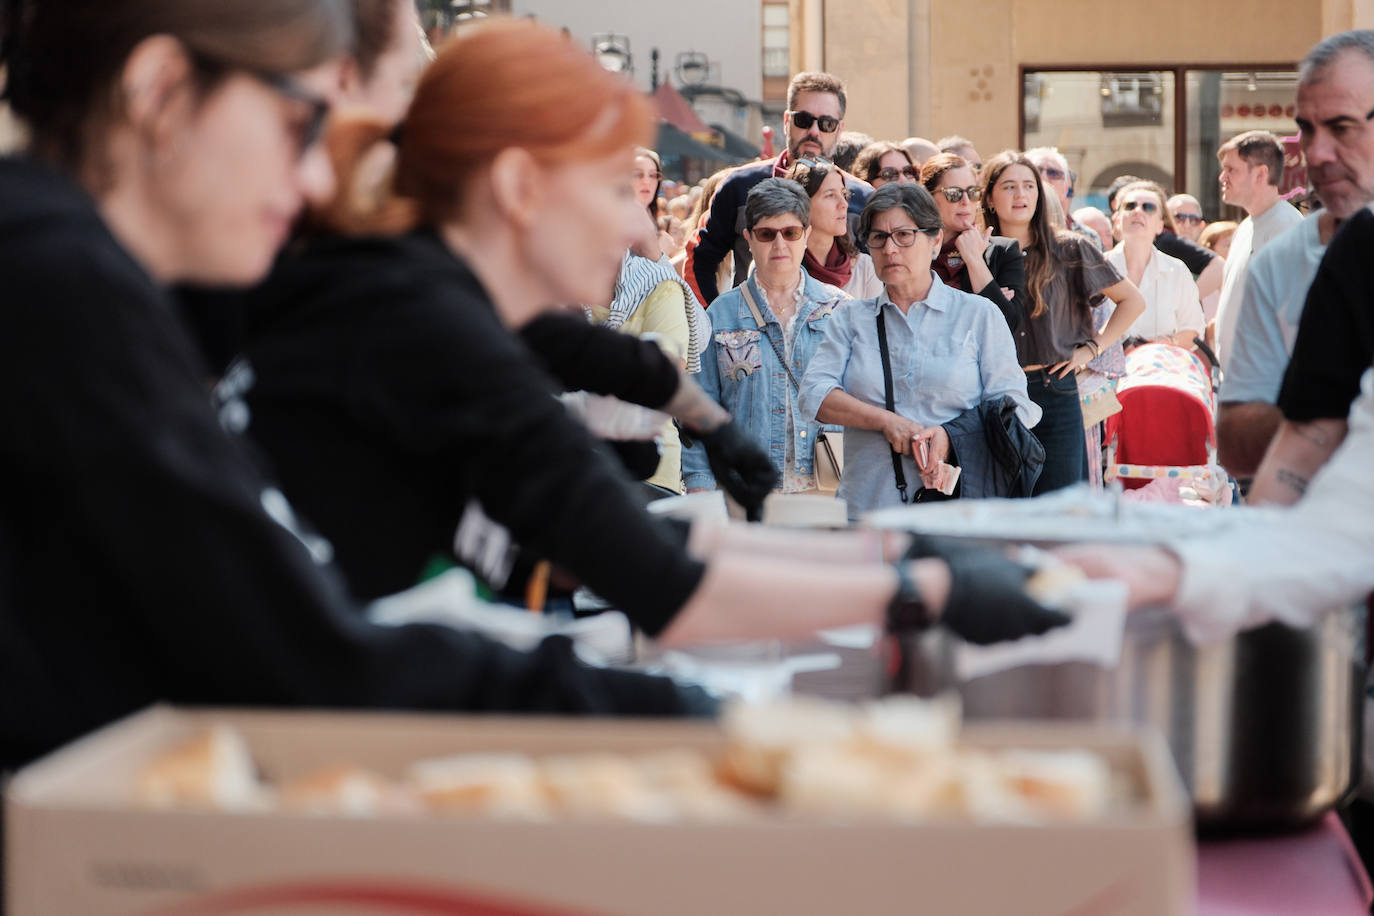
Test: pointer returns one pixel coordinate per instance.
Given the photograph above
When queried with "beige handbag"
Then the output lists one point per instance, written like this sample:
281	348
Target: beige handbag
828	459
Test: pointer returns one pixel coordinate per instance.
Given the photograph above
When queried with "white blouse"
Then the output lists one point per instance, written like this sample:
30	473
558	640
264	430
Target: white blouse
1171	302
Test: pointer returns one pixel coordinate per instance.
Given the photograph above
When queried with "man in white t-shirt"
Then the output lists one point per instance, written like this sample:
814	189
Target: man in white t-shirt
1251	169
1333	90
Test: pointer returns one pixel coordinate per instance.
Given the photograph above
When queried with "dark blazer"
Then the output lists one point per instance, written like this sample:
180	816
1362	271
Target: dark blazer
1008	265
998	455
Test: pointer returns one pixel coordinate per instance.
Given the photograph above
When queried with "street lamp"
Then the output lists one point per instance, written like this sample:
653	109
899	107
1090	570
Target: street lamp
692	68
612	51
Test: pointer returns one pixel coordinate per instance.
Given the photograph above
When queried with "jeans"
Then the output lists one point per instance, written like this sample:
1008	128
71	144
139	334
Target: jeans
1060	430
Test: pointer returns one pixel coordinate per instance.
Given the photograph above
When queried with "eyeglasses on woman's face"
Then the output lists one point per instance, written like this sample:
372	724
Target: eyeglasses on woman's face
308	128
766	234
954	195
1050	173
1186	217
1146	206
905	237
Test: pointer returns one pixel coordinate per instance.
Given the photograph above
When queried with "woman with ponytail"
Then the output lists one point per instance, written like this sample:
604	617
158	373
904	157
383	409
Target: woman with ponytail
405	414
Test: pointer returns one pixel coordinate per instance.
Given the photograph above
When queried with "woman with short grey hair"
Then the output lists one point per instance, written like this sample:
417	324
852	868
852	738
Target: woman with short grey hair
916	374
765	332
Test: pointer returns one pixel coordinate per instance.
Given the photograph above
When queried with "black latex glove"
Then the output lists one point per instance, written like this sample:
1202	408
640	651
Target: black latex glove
987	593
742	468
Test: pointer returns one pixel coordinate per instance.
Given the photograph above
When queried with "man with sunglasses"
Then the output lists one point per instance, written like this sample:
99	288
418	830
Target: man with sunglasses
1054	172
1187	213
812	125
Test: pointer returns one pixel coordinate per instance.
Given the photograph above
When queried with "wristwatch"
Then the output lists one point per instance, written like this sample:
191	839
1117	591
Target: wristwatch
907	611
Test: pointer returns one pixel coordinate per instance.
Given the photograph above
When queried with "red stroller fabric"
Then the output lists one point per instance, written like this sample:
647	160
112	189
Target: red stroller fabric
1167	411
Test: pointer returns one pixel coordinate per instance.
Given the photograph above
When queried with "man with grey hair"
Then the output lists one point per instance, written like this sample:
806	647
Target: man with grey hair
1056	175
1187	213
812	125
765	332
1334	340
1251	169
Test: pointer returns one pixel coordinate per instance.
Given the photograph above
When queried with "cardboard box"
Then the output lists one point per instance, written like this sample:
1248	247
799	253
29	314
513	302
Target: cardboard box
76	845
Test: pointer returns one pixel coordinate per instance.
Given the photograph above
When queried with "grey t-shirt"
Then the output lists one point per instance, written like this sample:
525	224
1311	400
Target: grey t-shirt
1069	297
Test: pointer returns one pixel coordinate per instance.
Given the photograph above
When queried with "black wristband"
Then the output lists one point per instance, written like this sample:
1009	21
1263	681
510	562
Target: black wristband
907	611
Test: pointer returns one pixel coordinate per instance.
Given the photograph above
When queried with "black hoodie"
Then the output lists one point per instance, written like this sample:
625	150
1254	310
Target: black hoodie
138	558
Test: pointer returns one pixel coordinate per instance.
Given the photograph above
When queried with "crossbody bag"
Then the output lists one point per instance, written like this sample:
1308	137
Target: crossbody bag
829	454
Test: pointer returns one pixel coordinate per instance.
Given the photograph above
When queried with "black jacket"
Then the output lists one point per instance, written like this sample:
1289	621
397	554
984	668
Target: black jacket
138	559
997	454
1008	266
393	404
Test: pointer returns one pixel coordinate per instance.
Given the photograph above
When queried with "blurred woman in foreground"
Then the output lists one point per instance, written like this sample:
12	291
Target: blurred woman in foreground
145	558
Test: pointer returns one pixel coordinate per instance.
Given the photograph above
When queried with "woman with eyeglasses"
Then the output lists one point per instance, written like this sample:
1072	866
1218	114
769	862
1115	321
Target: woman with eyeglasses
765	332
907	372
1065	275
973	259
883	163
145	558
1172	313
831	256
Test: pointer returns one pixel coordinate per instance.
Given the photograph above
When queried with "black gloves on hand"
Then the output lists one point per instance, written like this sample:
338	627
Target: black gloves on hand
987	596
742	469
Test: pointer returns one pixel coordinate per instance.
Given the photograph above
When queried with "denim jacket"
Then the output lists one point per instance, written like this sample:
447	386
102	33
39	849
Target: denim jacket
741	371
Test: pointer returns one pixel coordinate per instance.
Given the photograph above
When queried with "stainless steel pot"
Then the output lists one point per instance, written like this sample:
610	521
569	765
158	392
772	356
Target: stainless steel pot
1265	728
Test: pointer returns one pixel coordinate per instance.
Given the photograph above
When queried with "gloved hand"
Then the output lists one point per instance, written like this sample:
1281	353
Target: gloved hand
987	596
742	468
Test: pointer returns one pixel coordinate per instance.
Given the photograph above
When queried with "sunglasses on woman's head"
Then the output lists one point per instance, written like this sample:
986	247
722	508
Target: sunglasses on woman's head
1147	206
804	120
894	174
954	195
767	234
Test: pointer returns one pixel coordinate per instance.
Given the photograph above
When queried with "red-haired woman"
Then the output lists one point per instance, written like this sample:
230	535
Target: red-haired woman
410	422
1065	275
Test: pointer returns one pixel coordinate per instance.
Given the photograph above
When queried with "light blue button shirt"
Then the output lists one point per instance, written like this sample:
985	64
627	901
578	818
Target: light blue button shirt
949	353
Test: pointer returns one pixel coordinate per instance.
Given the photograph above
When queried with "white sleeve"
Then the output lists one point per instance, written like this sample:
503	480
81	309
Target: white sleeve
1187	306
1288	564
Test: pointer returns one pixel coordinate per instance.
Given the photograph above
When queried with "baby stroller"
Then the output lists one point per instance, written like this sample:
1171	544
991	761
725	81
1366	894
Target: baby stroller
1166	428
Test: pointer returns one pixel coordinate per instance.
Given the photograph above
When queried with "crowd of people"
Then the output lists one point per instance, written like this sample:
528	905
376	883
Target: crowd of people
301	311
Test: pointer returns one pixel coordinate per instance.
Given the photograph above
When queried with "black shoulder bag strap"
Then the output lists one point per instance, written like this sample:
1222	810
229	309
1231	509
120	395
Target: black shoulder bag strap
891	405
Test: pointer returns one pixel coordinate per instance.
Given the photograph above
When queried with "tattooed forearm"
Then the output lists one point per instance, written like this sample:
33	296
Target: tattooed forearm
1293	480
1316	433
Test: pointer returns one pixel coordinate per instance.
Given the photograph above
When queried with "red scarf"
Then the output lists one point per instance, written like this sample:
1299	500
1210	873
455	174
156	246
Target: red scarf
836	270
781	165
949	266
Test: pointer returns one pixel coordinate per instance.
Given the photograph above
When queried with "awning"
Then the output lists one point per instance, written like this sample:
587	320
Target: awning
735	145
673	143
677	111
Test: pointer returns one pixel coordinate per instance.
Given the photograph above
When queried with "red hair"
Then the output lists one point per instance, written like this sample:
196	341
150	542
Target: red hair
507	83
